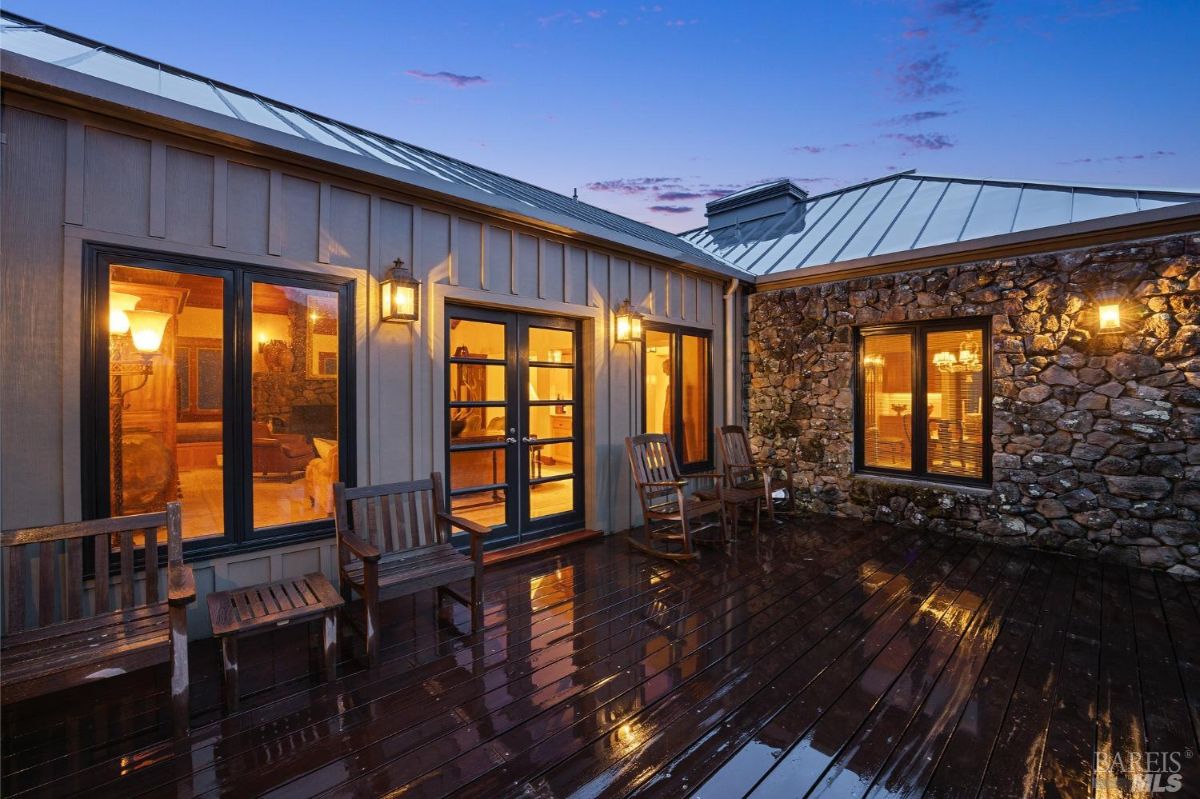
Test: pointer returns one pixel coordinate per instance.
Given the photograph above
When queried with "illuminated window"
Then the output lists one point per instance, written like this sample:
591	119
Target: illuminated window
923	400
220	388
677	381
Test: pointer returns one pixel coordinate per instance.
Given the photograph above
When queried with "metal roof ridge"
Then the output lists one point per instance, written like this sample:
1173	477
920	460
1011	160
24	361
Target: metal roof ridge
865	183
1017	182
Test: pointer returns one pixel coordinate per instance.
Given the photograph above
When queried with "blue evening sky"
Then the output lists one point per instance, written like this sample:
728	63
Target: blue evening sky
651	109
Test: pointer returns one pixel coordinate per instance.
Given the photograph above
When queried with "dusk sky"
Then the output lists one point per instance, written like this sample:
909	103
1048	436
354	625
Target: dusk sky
653	109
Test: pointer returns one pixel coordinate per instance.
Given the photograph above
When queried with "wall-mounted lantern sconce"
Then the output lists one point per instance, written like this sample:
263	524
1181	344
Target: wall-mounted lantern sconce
1108	310
400	295
629	323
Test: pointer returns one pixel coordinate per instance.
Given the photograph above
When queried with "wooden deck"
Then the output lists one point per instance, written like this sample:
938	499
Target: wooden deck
826	660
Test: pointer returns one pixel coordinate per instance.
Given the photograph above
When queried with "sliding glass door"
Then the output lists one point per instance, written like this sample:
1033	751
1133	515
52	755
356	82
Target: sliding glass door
513	422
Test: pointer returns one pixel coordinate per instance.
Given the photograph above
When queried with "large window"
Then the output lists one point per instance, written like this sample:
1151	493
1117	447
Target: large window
923	400
677	375
218	386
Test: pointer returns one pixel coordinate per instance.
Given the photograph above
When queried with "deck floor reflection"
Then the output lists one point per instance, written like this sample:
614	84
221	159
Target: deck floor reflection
826	659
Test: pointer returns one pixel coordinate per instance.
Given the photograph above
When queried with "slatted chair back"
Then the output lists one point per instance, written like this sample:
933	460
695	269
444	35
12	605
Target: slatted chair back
392	517
56	584
735	455
655	471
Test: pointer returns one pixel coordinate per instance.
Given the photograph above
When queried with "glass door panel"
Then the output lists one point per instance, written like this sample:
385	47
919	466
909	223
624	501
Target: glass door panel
551	421
512	422
478	399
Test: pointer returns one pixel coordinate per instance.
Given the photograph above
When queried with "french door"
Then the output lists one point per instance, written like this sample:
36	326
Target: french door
513	429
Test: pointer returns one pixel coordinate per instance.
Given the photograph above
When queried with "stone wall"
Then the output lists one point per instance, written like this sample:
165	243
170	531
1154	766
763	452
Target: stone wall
1095	438
277	393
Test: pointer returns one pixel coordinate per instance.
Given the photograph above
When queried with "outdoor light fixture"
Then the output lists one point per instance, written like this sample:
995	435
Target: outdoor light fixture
629	323
400	294
146	328
1108	309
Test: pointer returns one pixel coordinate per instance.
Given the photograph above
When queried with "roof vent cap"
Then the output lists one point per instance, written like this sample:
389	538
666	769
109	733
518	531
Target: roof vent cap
756	202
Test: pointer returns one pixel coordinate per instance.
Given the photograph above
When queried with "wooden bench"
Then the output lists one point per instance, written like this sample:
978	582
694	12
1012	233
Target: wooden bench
394	540
68	646
265	607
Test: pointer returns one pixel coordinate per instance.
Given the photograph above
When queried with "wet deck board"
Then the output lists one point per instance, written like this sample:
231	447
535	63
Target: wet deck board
827	659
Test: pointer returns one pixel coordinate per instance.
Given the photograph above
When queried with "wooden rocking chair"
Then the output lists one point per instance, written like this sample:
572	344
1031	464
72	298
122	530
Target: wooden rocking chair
669	513
743	475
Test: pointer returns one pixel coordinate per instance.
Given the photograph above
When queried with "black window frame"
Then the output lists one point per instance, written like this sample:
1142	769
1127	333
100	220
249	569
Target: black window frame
677	332
239	534
920	421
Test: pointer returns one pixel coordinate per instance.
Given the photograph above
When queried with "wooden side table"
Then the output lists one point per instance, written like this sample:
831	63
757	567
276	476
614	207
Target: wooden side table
265	607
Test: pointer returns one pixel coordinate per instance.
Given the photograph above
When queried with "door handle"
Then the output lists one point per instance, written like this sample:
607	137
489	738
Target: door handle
510	440
528	440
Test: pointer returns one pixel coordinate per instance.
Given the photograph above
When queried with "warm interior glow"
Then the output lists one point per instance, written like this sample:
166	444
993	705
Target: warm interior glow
954	404
482	426
887	401
165	439
295	450
944	359
146	328
1110	316
118	304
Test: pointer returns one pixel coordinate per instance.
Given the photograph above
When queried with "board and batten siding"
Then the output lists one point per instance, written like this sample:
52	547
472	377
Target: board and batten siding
72	177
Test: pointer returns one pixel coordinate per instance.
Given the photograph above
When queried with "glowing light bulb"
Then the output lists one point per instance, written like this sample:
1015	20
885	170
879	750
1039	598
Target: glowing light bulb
119	304
1110	317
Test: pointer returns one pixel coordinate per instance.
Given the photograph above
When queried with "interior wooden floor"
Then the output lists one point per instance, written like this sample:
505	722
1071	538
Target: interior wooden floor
825	659
278	499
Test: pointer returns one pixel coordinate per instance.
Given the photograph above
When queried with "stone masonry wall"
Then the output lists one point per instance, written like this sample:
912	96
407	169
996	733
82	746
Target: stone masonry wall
1095	438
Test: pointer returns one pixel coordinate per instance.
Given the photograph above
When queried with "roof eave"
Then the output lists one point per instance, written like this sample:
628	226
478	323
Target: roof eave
41	78
1182	218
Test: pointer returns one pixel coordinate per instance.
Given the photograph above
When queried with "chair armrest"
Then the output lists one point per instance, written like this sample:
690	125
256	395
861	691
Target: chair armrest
665	484
471	527
359	548
181	585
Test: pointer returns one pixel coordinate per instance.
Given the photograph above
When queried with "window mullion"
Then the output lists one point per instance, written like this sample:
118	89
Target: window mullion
920	405
677	399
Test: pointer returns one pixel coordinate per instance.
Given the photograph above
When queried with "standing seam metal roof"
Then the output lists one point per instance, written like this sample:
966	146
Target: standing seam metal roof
61	48
909	211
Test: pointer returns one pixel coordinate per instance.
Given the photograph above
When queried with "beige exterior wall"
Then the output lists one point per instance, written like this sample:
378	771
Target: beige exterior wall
71	177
